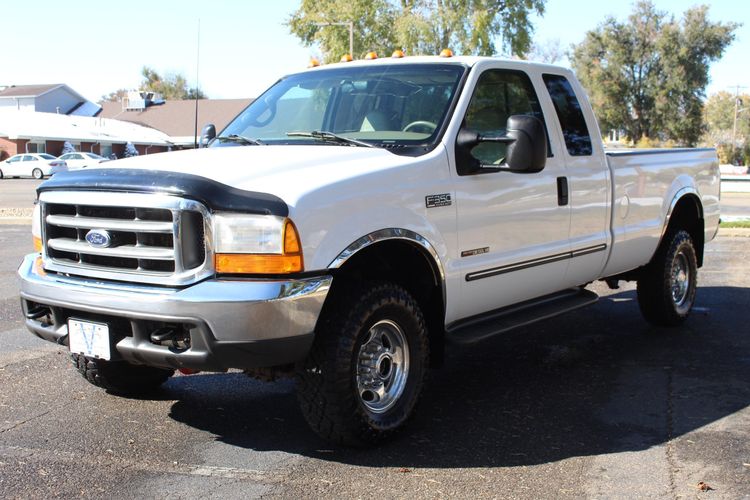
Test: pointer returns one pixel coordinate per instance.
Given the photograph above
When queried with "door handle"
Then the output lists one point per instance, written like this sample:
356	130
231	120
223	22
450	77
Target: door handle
562	191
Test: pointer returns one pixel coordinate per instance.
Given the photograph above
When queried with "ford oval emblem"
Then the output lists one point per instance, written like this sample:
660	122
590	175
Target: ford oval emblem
99	238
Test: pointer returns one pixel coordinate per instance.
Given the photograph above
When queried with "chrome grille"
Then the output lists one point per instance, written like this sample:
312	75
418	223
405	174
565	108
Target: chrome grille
149	238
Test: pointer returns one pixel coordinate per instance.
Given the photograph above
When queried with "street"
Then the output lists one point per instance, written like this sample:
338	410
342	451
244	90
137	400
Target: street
18	193
592	404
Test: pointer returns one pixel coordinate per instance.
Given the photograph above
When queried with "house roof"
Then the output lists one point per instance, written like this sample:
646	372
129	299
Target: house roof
29	90
19	124
177	118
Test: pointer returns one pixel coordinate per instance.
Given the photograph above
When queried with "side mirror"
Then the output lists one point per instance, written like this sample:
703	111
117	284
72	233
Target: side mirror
526	153
208	133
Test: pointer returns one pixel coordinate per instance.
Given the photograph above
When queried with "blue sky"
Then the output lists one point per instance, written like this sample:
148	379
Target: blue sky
100	46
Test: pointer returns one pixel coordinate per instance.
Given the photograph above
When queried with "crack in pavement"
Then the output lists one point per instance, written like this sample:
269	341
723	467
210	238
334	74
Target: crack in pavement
669	447
201	470
18	424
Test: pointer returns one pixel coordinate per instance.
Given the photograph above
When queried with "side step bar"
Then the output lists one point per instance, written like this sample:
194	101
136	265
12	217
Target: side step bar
478	328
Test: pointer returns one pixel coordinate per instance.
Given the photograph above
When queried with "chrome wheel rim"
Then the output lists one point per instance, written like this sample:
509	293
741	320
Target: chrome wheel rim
382	366
680	279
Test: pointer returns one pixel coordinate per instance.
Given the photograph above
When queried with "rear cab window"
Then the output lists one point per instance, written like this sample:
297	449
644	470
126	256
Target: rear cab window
570	115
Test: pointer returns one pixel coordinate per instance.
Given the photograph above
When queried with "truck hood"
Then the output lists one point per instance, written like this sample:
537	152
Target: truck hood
286	171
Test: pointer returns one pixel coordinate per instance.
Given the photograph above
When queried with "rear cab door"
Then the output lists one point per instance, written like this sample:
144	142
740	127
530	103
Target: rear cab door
589	182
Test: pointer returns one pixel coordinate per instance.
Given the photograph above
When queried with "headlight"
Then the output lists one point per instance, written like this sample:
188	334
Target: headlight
36	228
256	244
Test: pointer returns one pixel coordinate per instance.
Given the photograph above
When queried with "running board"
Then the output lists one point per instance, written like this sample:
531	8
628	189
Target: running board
478	328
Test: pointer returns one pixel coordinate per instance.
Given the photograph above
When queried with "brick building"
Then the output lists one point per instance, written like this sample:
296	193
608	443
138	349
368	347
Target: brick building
33	132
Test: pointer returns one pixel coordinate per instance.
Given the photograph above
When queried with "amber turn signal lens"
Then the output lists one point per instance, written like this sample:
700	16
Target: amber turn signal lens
37	244
290	261
241	263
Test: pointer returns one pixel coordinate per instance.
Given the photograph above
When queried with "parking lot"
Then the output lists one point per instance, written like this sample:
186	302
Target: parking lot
593	404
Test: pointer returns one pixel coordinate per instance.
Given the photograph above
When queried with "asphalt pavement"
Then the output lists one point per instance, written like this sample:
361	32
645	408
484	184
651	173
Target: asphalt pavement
594	404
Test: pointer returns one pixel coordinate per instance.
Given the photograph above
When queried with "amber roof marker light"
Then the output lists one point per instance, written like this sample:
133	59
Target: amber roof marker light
397	54
446	53
371	55
346	58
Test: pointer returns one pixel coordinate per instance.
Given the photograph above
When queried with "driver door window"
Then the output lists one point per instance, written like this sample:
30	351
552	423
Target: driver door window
498	96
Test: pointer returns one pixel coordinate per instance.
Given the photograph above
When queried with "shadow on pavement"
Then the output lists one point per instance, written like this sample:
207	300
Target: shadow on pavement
596	381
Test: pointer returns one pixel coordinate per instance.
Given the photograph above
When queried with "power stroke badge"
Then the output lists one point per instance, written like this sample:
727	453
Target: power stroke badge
438	200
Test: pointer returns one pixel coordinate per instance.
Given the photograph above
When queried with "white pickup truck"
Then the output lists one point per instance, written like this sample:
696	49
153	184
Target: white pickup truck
351	224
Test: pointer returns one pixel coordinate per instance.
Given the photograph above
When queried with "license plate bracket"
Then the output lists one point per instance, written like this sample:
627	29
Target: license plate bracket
89	338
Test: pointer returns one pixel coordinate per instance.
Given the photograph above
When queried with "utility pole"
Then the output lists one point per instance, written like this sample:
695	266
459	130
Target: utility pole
737	111
350	25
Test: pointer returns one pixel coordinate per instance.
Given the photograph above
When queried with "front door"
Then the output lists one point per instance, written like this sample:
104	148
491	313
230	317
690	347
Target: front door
512	229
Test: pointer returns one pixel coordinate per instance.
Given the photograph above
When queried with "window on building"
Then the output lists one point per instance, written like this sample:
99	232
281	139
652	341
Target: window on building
36	147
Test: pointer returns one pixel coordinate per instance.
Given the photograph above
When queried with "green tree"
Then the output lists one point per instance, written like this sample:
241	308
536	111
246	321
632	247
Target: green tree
416	26
115	96
171	87
550	51
373	21
648	76
718	113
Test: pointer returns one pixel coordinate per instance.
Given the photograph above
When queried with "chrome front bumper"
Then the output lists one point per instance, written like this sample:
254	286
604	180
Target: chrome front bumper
231	323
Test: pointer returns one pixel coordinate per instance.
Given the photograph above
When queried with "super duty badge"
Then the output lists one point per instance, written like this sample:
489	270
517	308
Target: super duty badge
437	200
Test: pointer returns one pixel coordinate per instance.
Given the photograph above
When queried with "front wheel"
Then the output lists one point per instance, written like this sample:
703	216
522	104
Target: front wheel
666	291
365	372
37	173
121	377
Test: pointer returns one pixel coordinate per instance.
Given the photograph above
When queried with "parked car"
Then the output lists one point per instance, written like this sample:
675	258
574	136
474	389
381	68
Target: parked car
77	161
36	165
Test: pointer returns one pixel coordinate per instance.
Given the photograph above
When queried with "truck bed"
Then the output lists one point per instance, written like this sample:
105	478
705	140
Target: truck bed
645	184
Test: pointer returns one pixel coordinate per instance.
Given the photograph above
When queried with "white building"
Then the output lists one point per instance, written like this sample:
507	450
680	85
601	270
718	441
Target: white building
52	98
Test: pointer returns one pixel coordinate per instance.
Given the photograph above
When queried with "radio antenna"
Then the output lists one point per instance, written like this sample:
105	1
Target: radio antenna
197	84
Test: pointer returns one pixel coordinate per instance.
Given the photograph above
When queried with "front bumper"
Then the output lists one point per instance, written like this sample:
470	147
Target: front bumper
229	323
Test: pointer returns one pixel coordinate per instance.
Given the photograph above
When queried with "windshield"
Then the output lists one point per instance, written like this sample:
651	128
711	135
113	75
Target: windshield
388	106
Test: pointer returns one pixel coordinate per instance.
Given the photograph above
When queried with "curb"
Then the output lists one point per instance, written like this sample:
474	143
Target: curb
15	220
743	232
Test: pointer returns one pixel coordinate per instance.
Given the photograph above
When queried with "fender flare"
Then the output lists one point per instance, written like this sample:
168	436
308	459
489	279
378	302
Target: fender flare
394	233
678	196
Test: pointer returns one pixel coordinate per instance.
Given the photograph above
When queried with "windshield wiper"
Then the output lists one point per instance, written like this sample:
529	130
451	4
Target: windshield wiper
241	139
331	137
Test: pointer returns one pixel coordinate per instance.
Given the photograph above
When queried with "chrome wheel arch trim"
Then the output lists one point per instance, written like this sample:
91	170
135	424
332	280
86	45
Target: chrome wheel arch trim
678	196
393	233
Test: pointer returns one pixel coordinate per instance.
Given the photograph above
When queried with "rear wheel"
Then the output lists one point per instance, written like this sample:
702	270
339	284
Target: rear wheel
366	369
37	173
666	291
120	377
